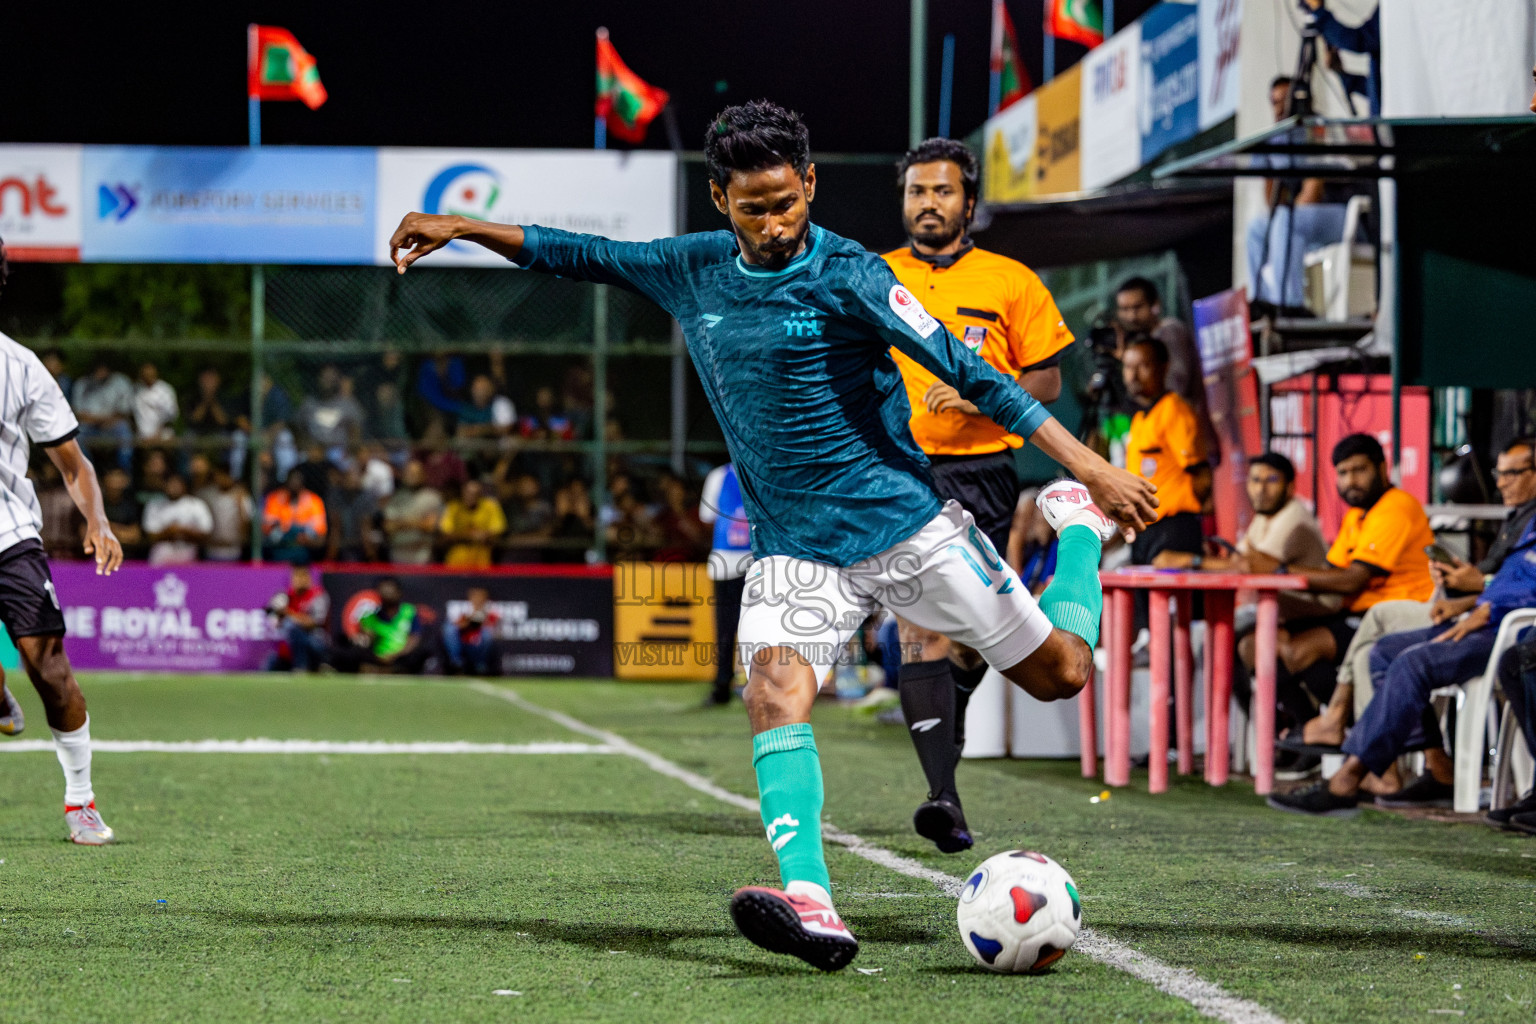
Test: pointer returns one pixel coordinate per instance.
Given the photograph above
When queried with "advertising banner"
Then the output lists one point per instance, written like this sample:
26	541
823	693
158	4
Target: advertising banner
629	196
237	205
1012	164
184	618
40	202
1111	87
1231	396
1059	103
552	621
1221	23
1170	76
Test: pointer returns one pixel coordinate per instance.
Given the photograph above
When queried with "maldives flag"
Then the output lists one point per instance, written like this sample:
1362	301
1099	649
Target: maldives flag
278	68
624	100
1014	81
1081	21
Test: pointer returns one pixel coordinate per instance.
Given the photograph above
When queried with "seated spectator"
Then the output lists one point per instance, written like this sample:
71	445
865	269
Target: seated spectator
301	613
63	526
1378	556
1405	669
1282	528
53	362
277	424
1517	678
469	636
349	516
103	403
1031	544
683	535
124	511
411	516
472	523
331	418
1165	447
546	422
199	472
530	516
440	383
293	524
211	413
154	405
386	414
316	469
391	636
176	525
574	518
486	415
230	503
442	465
152	475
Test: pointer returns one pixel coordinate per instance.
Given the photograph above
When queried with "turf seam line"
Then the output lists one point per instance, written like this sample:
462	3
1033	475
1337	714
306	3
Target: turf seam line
1208	998
266	746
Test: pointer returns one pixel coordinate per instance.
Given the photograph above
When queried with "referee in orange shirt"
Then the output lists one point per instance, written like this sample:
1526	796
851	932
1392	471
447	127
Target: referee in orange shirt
1000	309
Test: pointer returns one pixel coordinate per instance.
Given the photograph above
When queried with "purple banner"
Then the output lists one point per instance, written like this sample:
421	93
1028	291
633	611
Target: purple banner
182	618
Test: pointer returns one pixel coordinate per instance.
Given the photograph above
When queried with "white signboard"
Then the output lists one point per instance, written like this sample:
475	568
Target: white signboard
1471	58
1111	131
630	196
40	202
1221	23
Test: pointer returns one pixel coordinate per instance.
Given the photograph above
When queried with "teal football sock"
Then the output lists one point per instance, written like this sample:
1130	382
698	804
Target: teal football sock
1075	601
789	797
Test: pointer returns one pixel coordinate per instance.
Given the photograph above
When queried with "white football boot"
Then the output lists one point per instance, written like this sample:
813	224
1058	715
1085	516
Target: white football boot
86	826
12	721
1067	503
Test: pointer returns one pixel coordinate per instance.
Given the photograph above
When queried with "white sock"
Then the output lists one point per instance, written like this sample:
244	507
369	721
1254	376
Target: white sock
812	890
74	750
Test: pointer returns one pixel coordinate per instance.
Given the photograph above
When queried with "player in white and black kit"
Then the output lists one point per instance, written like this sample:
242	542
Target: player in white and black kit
33	411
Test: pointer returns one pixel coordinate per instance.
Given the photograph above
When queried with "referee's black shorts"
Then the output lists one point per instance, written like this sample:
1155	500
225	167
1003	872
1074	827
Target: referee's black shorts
986	486
29	606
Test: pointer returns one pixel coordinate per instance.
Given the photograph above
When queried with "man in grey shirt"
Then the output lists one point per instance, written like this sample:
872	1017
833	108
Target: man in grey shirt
103	402
332	419
411	516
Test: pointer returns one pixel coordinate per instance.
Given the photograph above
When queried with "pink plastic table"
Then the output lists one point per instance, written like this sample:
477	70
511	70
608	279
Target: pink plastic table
1220	590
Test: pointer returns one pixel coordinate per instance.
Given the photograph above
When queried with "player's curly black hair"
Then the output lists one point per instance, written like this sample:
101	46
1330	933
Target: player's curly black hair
931	151
754	137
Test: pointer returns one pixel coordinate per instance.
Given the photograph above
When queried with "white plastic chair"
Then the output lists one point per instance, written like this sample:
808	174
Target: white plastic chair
1345	270
1472	700
1513	773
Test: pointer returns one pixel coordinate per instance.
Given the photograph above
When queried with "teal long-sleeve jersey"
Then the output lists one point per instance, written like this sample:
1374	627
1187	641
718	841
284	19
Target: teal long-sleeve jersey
796	363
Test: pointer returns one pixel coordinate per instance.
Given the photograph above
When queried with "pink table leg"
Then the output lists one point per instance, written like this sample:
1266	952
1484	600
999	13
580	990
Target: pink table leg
1207	666
1087	724
1218	619
1184	685
1157	702
1265	636
1117	758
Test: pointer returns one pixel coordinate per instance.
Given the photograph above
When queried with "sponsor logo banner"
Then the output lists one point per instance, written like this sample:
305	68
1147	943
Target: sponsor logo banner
184	618
40	202
1012	165
1111	139
629	196
1056	147
205	204
1221	29
1170	74
1231	396
547	625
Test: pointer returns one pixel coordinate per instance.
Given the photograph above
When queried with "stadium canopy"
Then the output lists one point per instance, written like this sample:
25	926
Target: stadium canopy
1458	224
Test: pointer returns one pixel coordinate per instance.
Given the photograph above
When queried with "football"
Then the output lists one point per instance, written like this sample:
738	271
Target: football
1019	912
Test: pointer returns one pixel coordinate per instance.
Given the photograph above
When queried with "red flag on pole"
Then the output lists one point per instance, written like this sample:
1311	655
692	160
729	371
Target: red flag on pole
278	68
1081	21
625	101
1013	81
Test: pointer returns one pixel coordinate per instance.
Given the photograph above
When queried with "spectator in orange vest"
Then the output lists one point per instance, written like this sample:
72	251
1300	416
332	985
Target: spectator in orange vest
293	521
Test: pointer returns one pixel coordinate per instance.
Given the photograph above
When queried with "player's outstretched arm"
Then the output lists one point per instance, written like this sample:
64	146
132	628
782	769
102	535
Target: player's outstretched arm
80	479
423	233
1125	497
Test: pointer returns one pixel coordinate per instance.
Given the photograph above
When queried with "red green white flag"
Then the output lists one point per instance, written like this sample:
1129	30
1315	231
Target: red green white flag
1013	81
278	68
625	101
1081	21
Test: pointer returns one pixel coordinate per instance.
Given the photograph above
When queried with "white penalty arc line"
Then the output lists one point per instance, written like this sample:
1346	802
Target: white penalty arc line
266	746
1210	999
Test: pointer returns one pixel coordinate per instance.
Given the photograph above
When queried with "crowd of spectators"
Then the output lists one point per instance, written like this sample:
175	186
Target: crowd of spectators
369	460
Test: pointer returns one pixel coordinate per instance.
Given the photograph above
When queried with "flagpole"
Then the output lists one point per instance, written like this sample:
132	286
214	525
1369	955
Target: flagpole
995	78
1048	63
1109	18
258	319
917	116
946	84
600	124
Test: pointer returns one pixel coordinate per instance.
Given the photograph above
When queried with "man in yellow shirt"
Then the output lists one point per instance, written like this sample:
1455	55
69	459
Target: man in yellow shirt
1165	446
471	523
1378	556
999	309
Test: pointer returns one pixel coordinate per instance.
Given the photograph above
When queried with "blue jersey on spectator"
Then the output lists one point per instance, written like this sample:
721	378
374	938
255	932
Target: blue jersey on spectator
796	364
732	530
1514	585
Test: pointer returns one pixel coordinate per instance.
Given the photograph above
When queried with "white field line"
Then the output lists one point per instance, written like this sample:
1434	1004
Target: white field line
265	746
1365	892
1210	999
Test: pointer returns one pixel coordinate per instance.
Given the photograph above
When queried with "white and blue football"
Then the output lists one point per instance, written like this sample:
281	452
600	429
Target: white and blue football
1019	912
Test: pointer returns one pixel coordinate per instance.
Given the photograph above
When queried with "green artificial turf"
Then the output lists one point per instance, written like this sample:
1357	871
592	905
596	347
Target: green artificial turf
412	887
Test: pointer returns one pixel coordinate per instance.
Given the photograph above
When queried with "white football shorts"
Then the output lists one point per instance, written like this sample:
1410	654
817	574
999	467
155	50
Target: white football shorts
947	578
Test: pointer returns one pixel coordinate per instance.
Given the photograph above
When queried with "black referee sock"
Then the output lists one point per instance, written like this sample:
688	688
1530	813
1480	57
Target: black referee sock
928	704
966	681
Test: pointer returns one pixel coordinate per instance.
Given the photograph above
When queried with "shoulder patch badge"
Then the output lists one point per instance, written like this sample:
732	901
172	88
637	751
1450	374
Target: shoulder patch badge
911	312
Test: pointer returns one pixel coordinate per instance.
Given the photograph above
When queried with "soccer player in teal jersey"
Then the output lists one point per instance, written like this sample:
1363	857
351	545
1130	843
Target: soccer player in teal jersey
789	327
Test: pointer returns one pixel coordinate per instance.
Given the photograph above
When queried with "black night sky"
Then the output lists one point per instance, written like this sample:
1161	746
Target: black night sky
511	74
